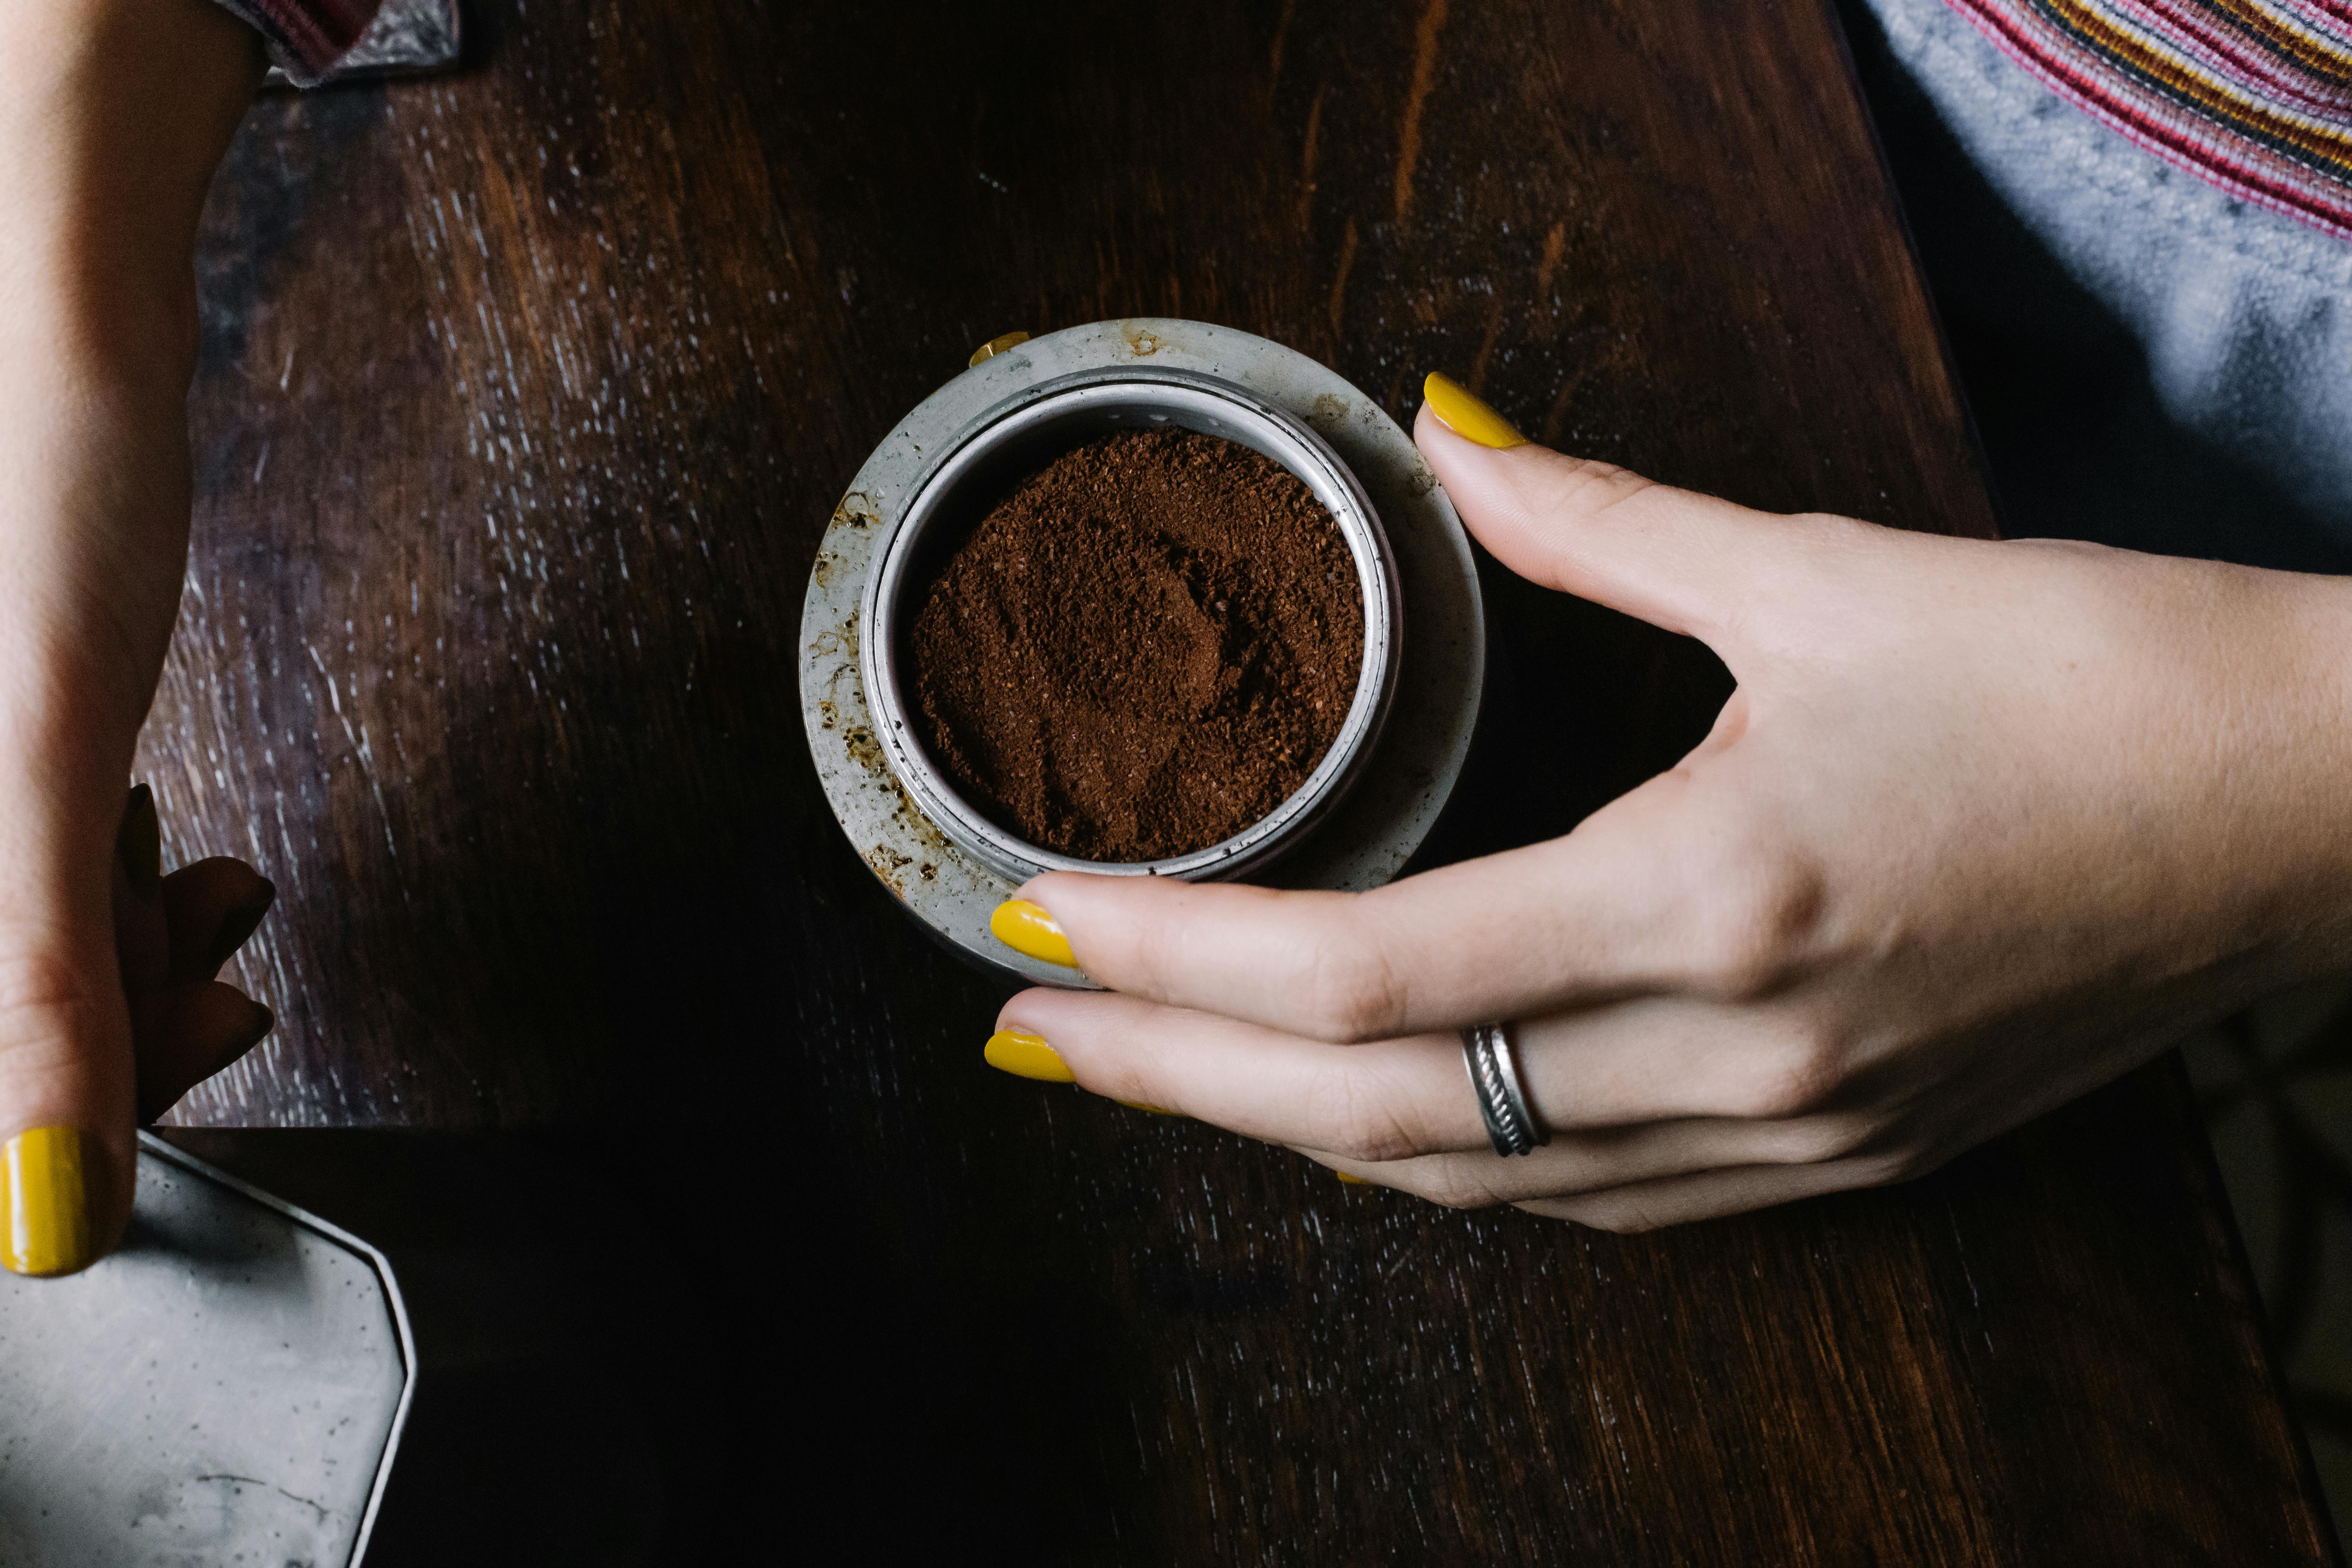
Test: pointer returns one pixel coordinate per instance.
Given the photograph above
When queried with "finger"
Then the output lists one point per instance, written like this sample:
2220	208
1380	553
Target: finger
212	908
1687	562
67	1079
1679	1200
186	1035
1257	1082
142	938
1409	1101
67	1093
1600	1160
1663	890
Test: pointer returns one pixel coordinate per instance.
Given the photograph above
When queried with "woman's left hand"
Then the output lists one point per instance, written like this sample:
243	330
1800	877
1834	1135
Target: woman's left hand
1984	825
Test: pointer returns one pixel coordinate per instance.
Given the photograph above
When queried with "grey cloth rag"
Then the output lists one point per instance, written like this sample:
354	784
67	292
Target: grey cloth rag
2152	363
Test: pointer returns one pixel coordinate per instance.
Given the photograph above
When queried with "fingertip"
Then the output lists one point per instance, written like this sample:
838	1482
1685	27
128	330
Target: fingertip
1069	1016
1584	526
1505	495
259	1021
1029	928
238	926
1069	893
190	1035
48	1221
1019	1011
1051	915
1026	1054
213	906
1466	415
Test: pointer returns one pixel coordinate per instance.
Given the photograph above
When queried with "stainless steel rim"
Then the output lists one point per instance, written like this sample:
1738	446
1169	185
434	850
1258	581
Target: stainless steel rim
1140	398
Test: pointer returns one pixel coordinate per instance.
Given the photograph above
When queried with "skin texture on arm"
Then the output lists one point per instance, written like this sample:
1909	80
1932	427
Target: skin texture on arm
1983	825
113	115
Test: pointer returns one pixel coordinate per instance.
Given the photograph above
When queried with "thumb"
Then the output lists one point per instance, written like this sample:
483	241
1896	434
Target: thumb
1674	558
67	1081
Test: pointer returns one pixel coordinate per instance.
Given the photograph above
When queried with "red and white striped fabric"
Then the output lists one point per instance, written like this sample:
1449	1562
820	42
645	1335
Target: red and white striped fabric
2253	95
306	37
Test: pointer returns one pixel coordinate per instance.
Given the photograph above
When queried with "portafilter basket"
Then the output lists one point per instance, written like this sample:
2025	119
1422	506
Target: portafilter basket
1020	437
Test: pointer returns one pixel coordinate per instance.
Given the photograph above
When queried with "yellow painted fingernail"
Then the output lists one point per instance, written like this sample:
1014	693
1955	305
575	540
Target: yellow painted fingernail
138	843
46	1203
1154	1110
996	345
1466	414
1026	928
1024	1055
1351	1181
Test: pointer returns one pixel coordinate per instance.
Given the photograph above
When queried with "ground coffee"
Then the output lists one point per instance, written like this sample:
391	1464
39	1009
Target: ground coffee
1143	649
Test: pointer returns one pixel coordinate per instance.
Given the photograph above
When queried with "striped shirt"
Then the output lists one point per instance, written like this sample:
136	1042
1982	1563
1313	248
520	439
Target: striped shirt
2253	95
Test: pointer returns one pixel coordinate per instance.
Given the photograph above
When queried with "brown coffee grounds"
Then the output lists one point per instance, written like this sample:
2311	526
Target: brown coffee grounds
1143	649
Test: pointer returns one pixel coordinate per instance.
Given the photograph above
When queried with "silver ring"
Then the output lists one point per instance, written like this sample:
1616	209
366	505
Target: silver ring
1502	1099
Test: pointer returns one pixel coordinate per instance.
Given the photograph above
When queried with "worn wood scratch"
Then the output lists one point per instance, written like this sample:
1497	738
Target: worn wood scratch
1555	246
1306	163
1424	76
1486	342
1339	278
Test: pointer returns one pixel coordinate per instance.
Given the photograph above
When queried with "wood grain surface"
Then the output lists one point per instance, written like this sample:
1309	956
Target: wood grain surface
526	394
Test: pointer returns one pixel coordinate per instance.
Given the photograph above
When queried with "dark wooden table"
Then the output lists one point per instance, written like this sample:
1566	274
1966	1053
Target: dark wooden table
525	396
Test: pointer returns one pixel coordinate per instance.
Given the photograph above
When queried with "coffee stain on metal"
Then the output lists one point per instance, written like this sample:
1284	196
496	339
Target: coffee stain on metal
866	752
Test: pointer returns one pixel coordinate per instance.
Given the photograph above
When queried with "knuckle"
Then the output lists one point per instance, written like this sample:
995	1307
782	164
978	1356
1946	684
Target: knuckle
1358	1125
1456	1189
1146	959
1761	913
1825	1140
1616	1214
1794	1076
1893	1166
1350	992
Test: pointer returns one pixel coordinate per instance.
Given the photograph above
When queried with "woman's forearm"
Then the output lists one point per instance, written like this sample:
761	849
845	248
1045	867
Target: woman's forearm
115	115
